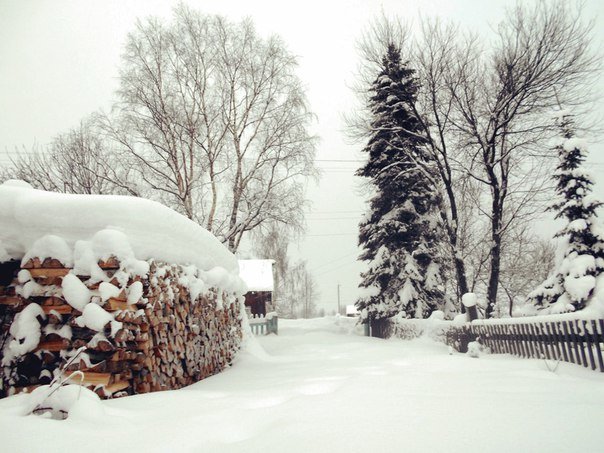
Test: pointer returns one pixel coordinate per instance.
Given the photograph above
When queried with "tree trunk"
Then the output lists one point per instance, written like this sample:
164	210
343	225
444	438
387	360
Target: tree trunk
460	266
495	258
462	281
237	190
212	213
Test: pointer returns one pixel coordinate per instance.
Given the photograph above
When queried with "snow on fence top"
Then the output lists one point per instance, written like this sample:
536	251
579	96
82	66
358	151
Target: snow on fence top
257	274
134	226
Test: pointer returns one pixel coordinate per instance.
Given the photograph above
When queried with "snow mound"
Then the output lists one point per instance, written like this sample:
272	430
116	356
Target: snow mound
132	226
75	292
475	349
25	331
50	246
257	274
57	402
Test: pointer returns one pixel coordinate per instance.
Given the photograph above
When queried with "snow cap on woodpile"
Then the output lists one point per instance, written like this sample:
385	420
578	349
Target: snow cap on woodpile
257	274
153	231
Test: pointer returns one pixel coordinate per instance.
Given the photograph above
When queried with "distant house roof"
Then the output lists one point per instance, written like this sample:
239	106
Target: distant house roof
257	274
351	310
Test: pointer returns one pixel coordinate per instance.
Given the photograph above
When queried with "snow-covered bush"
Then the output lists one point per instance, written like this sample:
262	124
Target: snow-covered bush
60	401
476	349
435	327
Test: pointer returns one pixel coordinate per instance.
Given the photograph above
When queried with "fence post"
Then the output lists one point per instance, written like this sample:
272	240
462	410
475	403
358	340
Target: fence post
599	342
469	301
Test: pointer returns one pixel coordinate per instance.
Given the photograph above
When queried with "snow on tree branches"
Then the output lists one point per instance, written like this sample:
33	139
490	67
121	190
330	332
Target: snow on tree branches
574	284
401	230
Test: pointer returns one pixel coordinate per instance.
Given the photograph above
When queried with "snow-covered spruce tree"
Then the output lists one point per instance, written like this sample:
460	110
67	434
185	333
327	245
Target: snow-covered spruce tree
400	232
572	284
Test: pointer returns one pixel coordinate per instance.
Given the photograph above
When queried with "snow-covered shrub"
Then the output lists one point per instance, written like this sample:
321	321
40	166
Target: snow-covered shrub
25	333
62	401
435	327
476	349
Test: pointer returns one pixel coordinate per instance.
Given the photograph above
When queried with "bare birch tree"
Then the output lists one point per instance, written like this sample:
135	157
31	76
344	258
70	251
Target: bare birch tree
215	121
77	161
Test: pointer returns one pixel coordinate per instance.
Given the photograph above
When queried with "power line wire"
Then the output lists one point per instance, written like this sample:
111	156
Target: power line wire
334	261
333	218
334	234
336	268
356	161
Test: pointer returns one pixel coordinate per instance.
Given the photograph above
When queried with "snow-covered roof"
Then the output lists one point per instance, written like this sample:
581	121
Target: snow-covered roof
351	310
151	229
257	274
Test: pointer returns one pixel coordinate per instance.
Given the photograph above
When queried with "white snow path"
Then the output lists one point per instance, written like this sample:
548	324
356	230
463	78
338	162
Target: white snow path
320	388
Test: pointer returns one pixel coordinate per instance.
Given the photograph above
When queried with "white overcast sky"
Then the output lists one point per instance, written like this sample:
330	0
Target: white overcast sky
59	60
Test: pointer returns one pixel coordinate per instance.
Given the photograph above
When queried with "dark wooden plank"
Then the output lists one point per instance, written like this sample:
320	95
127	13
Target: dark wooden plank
528	341
513	339
573	335
598	343
543	334
543	340
589	344
523	345
556	355
580	341
531	344
498	340
555	344
495	338
508	332
489	337
476	333
500	333
559	333
569	343
482	339
523	342
555	328
504	345
531	337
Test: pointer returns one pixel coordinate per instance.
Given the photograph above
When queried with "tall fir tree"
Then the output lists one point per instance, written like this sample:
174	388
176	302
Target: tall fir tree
399	236
573	283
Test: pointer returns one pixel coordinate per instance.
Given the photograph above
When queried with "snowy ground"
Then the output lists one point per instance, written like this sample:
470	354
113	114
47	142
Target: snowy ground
319	386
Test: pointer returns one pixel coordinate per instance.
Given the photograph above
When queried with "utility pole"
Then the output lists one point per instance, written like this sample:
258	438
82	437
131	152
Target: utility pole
339	312
306	296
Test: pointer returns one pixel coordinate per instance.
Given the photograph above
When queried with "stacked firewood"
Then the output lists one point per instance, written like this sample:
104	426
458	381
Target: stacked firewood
188	341
163	340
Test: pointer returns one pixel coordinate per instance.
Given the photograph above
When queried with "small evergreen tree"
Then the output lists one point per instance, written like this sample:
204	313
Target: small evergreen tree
400	233
573	283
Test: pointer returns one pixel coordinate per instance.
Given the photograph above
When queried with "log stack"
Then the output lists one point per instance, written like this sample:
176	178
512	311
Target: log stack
163	340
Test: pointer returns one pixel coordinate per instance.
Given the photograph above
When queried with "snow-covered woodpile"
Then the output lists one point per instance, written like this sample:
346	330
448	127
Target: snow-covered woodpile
133	316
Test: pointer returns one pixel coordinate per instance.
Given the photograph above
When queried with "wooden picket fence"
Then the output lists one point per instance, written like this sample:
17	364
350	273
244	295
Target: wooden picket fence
575	341
264	325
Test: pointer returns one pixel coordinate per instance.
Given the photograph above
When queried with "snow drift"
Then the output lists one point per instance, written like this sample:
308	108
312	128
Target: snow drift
153	230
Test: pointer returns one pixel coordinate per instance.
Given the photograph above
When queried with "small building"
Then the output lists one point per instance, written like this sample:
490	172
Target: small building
351	311
258	276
